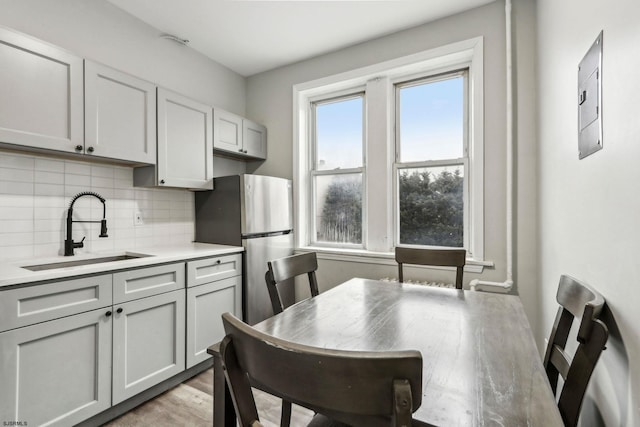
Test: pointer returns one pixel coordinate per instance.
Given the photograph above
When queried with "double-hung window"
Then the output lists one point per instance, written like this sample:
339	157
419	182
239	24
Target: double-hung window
338	170
431	161
391	155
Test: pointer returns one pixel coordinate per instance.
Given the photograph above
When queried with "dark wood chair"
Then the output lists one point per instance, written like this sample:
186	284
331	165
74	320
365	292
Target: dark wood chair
577	300
283	269
352	387
278	273
435	257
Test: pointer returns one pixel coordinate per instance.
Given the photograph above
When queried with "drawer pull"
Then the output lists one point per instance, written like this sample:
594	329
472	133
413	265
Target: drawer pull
119	310
108	313
218	262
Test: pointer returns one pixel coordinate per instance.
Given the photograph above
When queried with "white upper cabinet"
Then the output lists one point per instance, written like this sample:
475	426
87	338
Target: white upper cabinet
185	144
120	115
254	139
237	136
41	87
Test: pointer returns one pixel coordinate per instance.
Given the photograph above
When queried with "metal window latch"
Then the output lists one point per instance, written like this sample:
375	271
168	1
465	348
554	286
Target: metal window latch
583	97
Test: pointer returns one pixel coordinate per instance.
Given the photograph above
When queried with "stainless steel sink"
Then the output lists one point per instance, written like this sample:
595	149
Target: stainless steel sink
86	261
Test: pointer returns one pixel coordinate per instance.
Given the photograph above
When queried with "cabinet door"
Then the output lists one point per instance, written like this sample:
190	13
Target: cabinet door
56	373
148	343
120	115
205	306
185	142
227	132
41	87
254	137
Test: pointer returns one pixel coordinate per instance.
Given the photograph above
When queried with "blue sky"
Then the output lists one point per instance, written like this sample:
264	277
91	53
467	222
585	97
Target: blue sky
431	118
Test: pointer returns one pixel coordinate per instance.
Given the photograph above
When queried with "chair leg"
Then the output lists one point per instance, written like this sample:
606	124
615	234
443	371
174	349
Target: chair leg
285	419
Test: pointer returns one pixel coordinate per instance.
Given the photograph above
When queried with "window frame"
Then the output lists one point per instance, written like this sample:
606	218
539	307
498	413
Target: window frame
398	165
378	208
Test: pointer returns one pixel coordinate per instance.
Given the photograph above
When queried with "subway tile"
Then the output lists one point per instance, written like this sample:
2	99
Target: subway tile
16	175
16	239
49	165
11	212
16	200
16	226
124	193
49	177
45	237
102	171
48	189
16	252
48	250
48	212
123	244
161	204
77	180
16	161
101	182
77	168
16	188
144	242
48	225
125	174
50	202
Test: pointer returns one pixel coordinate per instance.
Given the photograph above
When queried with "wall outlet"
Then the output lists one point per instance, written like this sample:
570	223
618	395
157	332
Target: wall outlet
137	218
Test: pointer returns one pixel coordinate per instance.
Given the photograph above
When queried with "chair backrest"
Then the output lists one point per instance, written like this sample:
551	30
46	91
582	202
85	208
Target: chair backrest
283	269
577	300
436	257
358	388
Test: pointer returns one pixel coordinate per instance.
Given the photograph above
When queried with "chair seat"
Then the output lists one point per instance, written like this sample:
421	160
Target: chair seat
320	420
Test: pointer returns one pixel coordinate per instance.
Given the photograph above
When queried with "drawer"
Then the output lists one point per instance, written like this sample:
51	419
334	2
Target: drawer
211	269
40	303
144	282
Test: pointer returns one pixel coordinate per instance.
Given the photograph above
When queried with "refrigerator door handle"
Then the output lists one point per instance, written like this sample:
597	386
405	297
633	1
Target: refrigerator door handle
268	234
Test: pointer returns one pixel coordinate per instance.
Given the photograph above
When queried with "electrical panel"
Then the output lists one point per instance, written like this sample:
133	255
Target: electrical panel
590	101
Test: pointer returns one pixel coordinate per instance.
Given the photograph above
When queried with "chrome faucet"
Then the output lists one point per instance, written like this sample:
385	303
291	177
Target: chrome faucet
69	244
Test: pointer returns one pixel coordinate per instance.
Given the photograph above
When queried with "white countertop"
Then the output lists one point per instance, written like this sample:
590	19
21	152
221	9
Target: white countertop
13	273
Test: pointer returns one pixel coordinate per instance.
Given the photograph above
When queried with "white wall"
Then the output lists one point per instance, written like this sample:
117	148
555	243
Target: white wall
589	209
269	101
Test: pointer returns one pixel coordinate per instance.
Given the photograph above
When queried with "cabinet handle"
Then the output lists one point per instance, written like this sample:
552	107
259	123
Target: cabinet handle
162	181
78	147
218	262
245	151
108	313
240	150
119	310
90	149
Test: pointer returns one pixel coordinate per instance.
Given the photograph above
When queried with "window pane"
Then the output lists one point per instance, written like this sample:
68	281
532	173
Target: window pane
339	134
432	120
339	208
431	206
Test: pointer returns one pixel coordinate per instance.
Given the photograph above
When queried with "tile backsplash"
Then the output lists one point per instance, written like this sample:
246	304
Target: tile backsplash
35	192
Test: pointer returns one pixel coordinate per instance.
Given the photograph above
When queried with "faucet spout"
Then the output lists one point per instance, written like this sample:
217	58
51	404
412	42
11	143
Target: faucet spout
69	244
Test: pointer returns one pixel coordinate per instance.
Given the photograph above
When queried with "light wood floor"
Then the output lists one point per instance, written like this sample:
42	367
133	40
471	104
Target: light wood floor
191	404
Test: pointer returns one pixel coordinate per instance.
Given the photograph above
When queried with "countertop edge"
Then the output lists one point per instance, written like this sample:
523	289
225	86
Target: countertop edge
13	275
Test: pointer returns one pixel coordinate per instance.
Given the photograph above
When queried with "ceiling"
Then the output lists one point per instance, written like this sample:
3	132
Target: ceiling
254	36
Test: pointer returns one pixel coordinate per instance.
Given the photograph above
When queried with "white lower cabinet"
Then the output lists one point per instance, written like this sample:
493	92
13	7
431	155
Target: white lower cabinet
71	349
56	373
148	343
205	306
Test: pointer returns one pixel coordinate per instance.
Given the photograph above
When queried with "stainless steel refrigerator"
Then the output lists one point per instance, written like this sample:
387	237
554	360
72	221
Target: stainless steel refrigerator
256	212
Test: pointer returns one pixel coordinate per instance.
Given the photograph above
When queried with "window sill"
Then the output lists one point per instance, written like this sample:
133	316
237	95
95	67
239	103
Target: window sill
380	258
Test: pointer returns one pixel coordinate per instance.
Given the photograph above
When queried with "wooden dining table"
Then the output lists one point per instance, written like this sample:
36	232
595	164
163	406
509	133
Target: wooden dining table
480	363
